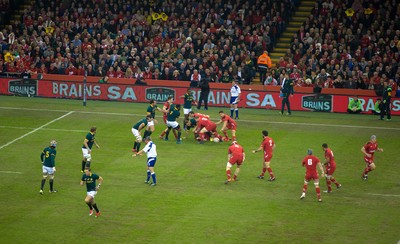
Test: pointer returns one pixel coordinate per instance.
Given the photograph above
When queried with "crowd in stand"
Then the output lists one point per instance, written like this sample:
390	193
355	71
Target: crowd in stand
347	44
155	39
343	44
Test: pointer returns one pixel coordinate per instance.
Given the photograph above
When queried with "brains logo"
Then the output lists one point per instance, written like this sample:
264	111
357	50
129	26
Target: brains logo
320	103
160	94
24	87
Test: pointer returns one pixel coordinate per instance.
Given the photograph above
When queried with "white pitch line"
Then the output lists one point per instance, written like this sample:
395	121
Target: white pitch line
383	195
33	131
10	172
28	128
252	121
35	109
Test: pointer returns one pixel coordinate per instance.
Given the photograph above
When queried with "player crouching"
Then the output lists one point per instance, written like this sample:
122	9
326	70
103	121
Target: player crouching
204	125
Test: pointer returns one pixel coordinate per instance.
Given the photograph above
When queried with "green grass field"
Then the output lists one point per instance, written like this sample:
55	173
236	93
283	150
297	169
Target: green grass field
191	203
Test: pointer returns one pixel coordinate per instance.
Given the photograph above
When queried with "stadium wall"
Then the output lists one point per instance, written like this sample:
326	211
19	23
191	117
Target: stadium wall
253	96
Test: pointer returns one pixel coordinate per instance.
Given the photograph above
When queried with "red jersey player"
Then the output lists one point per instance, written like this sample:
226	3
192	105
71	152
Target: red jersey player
330	167
166	107
311	162
369	149
200	115
228	124
236	156
193	115
205	125
268	145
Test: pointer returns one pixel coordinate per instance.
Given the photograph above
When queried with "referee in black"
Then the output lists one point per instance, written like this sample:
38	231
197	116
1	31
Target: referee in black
387	95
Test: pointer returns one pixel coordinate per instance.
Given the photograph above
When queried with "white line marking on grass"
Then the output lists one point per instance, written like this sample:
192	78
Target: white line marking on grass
28	128
35	109
383	195
27	134
10	172
253	121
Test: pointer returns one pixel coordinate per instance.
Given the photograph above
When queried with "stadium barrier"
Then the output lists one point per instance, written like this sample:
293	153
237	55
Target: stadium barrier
123	89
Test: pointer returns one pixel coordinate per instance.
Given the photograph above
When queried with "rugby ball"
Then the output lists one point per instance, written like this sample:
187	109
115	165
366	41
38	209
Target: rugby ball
216	139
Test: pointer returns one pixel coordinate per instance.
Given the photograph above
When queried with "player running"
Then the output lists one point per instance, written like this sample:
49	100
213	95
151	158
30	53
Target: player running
330	167
369	149
89	179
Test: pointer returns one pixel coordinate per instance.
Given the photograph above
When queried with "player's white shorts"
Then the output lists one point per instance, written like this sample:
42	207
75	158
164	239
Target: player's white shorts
172	124
186	110
86	154
136	133
47	170
150	123
234	100
91	193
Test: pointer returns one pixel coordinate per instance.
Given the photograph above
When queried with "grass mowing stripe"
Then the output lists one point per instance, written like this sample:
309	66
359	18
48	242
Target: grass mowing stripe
29	128
383	195
33	131
10	172
254	121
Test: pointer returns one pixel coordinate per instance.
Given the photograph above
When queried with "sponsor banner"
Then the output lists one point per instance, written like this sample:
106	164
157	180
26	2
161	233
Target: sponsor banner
217	97
160	94
317	102
23	87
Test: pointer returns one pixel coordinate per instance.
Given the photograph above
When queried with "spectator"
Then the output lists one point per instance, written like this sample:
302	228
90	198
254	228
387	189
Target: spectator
187	76
195	79
263	63
104	80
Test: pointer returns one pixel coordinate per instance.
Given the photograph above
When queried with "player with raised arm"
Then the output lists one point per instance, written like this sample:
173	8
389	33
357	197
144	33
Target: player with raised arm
236	156
48	157
136	128
369	150
188	99
166	108
172	124
311	163
151	151
87	148
330	167
268	146
151	111
89	179
227	124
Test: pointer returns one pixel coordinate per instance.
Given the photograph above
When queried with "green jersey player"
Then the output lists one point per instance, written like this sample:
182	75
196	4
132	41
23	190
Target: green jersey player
87	148
172	123
151	111
188	99
89	179
48	157
136	132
